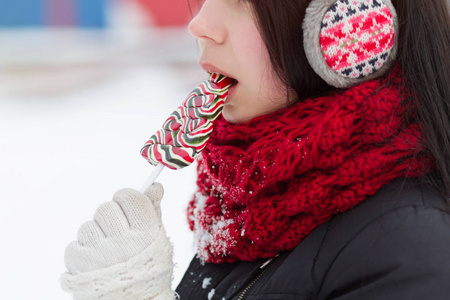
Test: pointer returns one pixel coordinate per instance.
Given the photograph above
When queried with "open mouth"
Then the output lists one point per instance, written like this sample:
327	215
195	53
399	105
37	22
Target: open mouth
234	82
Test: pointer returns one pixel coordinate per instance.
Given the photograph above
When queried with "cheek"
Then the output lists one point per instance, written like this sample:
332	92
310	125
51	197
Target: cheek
250	49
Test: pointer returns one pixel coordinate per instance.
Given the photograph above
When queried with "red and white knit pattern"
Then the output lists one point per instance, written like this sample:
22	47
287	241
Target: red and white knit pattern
357	36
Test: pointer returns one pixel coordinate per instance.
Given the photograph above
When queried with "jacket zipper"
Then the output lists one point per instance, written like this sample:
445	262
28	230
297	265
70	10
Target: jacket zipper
262	267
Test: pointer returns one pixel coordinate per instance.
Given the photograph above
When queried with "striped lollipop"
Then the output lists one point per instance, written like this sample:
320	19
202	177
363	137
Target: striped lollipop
185	133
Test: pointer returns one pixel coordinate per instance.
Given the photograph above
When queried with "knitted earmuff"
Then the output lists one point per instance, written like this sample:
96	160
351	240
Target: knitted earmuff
350	41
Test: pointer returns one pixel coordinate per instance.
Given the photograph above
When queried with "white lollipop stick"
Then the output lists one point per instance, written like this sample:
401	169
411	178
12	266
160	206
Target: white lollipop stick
152	177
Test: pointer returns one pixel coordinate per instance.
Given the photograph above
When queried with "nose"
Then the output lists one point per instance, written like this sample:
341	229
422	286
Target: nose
209	23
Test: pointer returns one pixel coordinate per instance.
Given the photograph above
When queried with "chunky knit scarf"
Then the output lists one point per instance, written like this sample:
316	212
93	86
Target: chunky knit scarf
264	186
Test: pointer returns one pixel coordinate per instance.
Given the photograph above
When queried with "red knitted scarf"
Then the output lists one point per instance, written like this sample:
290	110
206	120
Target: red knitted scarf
264	186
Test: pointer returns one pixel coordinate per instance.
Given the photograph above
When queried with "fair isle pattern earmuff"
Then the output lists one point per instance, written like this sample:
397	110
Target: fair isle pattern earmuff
350	41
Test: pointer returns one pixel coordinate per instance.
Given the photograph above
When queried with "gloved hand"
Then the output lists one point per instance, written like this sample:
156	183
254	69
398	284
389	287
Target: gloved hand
123	253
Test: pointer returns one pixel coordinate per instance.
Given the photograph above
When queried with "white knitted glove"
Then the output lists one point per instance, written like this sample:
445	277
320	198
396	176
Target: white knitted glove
123	253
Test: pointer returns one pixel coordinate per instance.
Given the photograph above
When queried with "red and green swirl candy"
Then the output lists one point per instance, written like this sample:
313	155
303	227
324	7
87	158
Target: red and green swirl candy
185	133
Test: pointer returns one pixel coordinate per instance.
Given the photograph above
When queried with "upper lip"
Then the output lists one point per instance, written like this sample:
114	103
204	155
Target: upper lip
210	68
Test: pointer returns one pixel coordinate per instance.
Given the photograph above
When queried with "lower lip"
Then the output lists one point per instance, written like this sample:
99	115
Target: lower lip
231	92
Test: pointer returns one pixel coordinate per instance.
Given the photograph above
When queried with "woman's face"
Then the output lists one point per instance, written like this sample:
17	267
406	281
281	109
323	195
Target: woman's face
231	44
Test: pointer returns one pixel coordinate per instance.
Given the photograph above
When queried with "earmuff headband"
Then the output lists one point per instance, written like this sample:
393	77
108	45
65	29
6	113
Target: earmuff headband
350	41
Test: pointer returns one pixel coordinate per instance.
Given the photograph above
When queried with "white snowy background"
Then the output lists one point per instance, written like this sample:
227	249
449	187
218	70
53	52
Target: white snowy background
75	109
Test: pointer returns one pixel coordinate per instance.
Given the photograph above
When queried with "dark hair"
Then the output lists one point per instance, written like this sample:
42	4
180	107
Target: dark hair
280	24
423	55
424	47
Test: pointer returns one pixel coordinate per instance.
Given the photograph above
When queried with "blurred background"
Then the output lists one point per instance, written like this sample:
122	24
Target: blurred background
83	84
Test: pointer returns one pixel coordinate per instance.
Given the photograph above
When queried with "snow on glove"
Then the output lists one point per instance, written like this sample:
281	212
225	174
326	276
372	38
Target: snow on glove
123	253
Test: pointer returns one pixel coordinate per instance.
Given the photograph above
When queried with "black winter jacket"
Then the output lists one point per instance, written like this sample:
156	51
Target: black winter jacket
394	245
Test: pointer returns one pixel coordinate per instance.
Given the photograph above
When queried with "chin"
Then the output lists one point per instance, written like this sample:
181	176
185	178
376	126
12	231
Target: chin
233	117
229	117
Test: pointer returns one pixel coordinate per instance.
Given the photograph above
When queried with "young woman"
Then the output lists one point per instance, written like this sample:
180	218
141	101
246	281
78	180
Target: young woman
327	176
